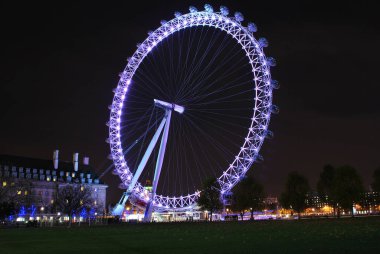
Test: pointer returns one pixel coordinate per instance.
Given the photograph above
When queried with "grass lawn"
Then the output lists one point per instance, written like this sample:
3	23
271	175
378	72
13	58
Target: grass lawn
358	235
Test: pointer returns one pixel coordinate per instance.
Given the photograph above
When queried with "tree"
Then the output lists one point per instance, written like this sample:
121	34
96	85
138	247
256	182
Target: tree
72	199
347	188
376	180
295	194
209	199
325	185
248	194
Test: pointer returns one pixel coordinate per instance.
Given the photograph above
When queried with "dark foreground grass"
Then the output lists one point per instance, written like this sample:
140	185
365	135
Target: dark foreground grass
358	235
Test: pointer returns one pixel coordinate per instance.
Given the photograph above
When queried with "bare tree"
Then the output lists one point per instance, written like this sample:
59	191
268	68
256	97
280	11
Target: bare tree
72	198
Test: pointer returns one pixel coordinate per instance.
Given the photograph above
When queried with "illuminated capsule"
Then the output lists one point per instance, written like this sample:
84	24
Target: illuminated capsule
177	14
271	61
275	84
259	158
163	22
239	16
224	10
192	9
263	43
269	134
252	27
275	109
209	8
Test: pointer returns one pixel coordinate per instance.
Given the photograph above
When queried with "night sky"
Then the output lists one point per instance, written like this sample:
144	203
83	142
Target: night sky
60	62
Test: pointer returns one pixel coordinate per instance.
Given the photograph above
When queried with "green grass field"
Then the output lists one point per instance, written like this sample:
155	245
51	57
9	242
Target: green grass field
358	235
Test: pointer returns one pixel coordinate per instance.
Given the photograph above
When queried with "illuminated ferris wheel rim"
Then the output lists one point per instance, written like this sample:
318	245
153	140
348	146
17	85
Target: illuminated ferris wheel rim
257	130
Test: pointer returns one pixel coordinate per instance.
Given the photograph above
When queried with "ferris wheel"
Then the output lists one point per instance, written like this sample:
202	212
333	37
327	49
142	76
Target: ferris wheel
201	86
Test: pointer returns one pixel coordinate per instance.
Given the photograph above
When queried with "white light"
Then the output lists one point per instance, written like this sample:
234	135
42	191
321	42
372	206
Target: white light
171	29
125	89
121	157
120	150
165	33
123	164
149	49
128	81
154	43
199	18
185	22
118	135
119	112
118	120
121	104
118	128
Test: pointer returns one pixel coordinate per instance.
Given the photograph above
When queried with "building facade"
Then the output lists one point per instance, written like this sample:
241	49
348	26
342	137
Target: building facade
38	181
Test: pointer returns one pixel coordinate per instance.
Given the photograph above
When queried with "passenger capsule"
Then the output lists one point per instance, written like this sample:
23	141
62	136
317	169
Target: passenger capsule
252	27
177	14
271	61
275	109
209	8
192	9
275	84
224	10
239	16
263	43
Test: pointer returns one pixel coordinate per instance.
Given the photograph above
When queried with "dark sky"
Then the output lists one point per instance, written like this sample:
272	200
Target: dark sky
60	62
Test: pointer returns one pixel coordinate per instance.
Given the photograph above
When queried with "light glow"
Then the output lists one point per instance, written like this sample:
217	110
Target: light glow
222	22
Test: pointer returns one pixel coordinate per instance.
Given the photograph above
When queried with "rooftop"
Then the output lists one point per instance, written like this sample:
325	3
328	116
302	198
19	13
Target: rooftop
43	170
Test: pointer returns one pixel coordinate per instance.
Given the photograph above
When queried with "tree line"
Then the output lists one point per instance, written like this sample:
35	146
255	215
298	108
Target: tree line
339	187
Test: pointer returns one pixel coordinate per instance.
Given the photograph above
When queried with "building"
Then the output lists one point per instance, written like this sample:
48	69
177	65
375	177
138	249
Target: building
39	180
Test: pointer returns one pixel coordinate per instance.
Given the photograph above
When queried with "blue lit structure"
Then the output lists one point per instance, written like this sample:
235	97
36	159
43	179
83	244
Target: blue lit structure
262	85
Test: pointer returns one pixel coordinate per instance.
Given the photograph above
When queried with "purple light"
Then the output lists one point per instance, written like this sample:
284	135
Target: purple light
180	22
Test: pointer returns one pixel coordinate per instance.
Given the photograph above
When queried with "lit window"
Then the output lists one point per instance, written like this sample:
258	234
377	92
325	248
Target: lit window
52	201
82	188
26	193
4	184
19	192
